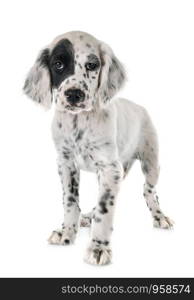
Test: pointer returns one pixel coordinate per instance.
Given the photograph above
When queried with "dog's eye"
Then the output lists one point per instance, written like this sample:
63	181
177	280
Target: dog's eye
91	66
59	65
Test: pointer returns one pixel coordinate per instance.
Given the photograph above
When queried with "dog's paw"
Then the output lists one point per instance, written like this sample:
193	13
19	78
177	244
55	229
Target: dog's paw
85	220
98	256
62	237
163	222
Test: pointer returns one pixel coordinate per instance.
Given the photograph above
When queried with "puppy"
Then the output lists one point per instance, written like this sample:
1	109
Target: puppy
81	75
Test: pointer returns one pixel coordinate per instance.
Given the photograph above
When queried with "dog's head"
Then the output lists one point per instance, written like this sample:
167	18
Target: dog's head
75	71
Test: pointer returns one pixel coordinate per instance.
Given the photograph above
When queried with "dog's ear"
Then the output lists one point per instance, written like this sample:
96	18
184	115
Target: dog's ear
112	75
38	84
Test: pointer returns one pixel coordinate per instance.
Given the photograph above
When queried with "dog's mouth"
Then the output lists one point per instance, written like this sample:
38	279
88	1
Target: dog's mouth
75	107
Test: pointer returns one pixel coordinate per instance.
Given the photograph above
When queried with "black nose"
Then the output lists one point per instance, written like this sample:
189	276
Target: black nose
74	95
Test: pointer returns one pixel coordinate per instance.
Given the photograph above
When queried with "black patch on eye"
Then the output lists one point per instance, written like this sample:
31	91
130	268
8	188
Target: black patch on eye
64	53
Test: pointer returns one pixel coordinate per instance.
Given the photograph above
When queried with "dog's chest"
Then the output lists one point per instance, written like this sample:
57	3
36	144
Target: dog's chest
78	144
82	141
82	151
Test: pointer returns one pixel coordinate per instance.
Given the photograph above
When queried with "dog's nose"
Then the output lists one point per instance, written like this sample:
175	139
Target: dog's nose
74	95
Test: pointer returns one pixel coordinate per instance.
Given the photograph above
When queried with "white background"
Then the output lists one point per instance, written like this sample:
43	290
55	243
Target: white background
155	41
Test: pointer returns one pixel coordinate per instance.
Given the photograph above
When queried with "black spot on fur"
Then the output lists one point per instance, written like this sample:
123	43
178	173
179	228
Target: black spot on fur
71	199
72	189
76	193
74	182
97	220
75	122
85	86
145	168
73	173
65	155
103	208
105	196
106	243
73	186
80	135
150	185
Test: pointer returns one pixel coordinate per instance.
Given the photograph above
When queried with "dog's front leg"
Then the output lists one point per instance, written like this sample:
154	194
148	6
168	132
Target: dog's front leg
70	183
99	251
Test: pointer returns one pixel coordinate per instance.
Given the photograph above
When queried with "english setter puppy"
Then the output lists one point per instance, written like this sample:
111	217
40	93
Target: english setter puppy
93	132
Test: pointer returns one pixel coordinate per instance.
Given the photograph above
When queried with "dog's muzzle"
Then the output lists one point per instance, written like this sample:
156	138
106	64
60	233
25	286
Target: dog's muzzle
74	96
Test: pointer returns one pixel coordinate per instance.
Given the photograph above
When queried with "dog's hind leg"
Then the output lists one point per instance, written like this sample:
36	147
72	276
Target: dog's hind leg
148	156
86	220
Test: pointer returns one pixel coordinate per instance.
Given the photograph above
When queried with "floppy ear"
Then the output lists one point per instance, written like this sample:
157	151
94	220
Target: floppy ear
112	75
38	85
